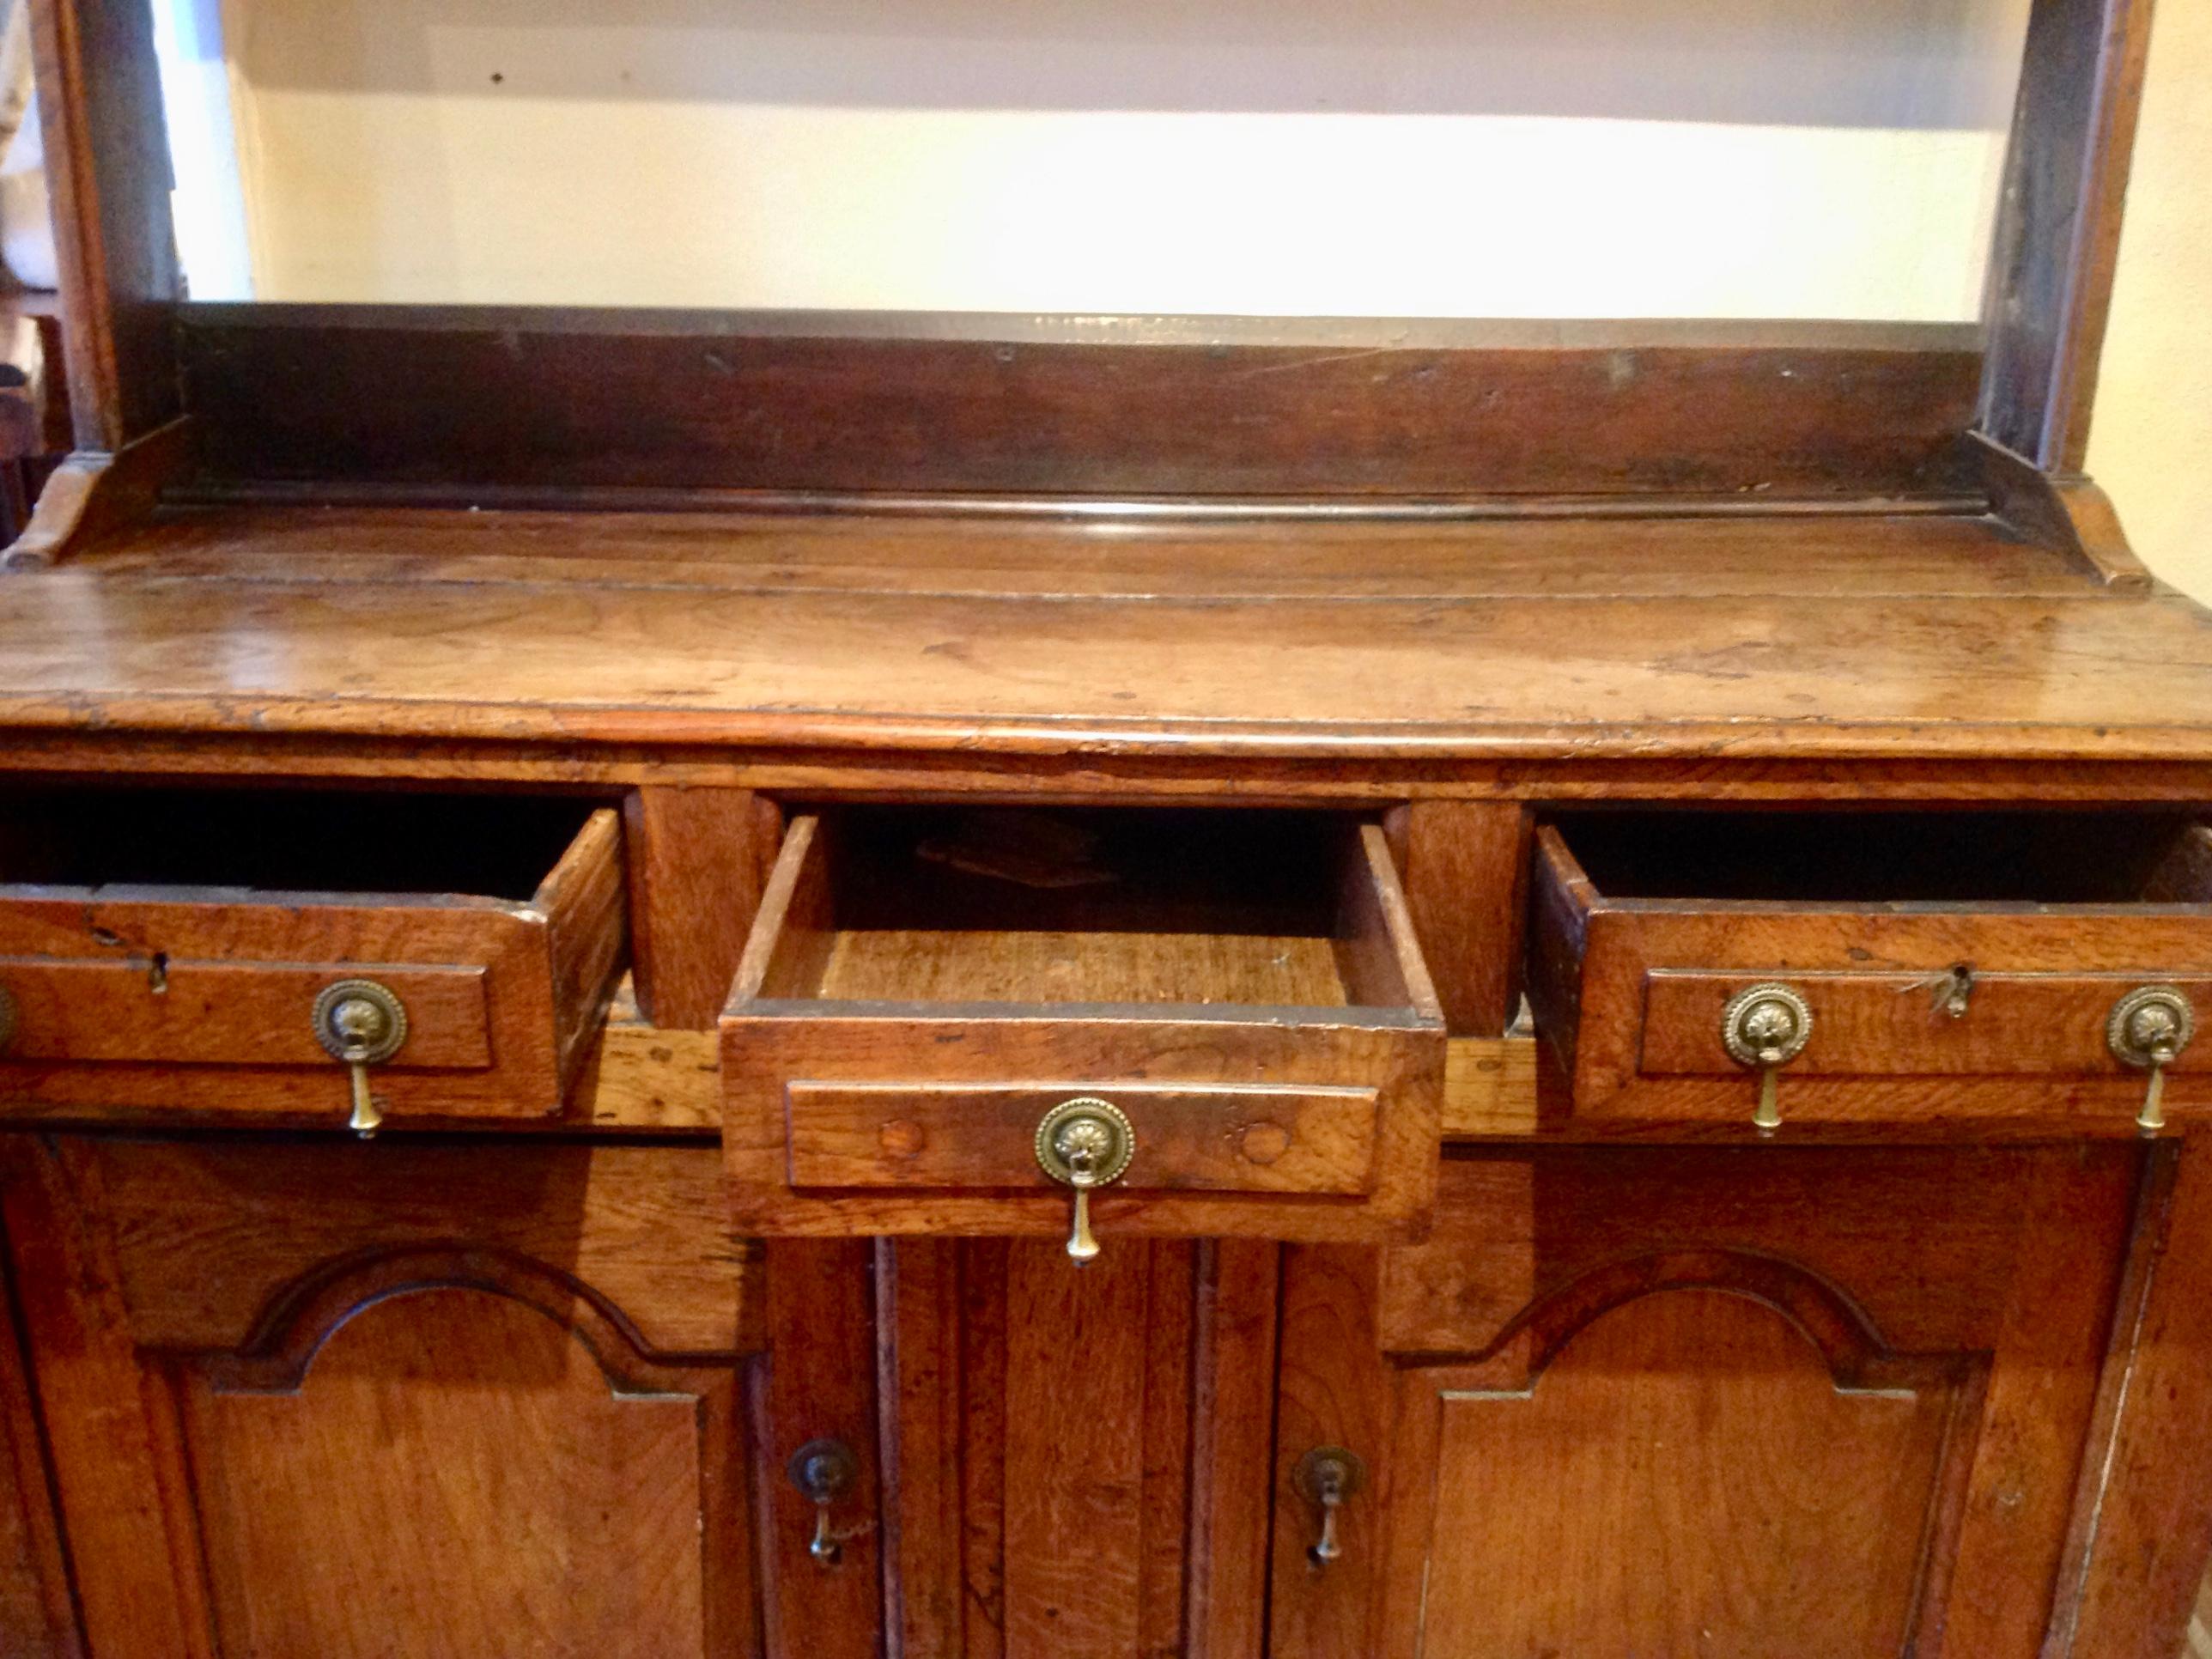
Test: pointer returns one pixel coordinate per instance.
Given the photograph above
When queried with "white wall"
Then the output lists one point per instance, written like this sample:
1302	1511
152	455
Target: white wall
1379	157
2151	442
1758	158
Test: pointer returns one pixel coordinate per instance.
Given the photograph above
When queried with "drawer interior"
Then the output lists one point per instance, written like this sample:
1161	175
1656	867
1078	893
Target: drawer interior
1926	857
283	841
1113	906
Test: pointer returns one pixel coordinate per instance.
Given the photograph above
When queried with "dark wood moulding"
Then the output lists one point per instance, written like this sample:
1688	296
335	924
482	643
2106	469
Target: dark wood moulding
441	403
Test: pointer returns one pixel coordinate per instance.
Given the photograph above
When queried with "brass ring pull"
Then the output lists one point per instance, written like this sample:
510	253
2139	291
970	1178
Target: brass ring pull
1328	1476
1084	1143
823	1471
2148	1028
361	1024
1766	1027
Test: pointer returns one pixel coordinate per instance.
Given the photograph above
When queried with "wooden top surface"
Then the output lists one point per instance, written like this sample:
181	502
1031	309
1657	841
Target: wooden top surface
1876	636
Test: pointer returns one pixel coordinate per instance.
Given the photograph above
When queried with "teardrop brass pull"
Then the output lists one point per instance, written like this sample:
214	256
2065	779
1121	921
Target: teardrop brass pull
1328	1476
362	1024
1766	1027
2148	1028
823	1471
1084	1143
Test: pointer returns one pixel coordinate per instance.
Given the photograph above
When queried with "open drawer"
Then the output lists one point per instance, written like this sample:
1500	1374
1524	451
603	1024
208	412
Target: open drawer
1877	967
1241	990
229	951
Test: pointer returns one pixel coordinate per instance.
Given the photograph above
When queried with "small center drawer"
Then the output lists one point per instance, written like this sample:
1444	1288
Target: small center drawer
1948	965
922	988
181	948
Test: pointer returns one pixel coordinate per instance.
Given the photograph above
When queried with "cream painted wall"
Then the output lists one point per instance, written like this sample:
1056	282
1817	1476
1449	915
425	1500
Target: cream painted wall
1407	157
1517	158
2151	443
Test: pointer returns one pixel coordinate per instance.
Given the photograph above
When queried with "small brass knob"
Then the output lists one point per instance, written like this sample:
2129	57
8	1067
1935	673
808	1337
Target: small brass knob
2148	1028
362	1024
1766	1027
1083	1144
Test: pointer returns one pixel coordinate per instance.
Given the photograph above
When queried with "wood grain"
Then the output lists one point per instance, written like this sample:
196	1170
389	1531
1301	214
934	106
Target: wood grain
1234	1375
2023	1025
109	1426
481	395
933	1448
1466	874
2146	1526
818	1381
985	965
1978	673
208	1235
97	493
1258	1137
107	169
1076	1409
2058	224
1586	549
1629	991
2067	513
795	1032
1904	1282
457	1472
697	860
502	994
1335	1390
37	1617
1707	1488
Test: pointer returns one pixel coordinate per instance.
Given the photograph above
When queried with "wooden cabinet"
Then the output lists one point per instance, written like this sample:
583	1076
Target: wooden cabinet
1809	646
487	1393
323	1399
179	949
1735	1402
1941	967
1241	992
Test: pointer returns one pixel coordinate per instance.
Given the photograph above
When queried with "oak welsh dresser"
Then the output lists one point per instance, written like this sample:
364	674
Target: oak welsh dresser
682	984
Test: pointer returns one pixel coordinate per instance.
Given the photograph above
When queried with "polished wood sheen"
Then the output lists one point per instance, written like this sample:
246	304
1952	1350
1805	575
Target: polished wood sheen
779	755
542	400
1718	1554
544	1461
1715	643
182	993
417	1408
864	1095
1631	987
1904	1477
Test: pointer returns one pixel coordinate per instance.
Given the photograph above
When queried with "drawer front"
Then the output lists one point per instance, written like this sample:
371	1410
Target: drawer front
2007	1024
1919	1012
874	1126
896	1035
203	998
226	1013
1195	1137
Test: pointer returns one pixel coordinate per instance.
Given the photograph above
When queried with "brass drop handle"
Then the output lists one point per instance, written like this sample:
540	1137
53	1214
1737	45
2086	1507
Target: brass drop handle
2148	1028
361	1024
1084	1143
823	1471
1328	1476
1766	1027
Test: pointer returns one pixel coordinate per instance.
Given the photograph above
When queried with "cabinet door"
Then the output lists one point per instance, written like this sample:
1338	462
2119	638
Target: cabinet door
338	1400
1728	1402
1082	1453
36	1621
